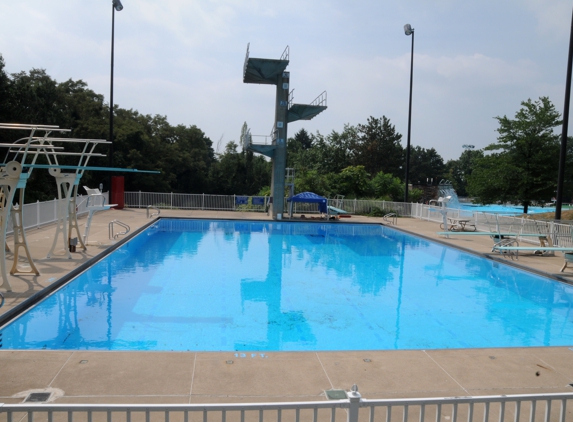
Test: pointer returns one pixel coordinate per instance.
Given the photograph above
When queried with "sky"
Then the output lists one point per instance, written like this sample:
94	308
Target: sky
473	60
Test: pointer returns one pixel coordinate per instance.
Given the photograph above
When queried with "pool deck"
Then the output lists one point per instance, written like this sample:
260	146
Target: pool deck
214	377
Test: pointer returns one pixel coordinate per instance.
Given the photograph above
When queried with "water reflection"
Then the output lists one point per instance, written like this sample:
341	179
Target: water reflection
223	285
283	326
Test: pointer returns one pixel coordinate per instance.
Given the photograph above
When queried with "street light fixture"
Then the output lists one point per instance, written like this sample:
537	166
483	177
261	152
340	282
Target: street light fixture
116	5
408	30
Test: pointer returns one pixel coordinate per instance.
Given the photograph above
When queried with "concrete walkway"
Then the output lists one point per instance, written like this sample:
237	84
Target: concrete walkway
188	377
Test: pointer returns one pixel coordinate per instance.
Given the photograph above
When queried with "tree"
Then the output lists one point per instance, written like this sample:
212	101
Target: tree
458	171
387	187
425	164
523	168
336	151
354	181
378	147
4	93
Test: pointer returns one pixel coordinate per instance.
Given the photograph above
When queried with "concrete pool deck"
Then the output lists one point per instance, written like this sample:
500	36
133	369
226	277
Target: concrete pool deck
211	377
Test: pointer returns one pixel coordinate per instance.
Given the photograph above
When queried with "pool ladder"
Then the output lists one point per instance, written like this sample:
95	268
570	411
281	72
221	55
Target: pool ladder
391	218
151	214
119	223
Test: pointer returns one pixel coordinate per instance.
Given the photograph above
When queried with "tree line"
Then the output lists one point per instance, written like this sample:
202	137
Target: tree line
362	161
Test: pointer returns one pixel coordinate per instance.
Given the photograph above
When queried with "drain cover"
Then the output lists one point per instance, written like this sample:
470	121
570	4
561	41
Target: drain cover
336	394
38	397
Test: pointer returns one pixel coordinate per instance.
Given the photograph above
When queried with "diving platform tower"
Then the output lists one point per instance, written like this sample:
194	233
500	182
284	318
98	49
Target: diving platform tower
273	72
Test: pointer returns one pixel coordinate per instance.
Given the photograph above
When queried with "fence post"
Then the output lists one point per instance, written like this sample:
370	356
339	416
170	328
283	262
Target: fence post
354	399
203	202
552	234
38	214
139	196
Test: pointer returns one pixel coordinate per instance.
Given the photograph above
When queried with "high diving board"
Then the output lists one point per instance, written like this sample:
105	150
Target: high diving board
66	167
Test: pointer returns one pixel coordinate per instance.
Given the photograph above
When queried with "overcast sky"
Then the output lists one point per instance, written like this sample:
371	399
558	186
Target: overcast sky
473	60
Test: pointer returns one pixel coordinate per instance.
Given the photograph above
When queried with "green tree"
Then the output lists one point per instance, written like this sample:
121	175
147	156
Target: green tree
5	116
354	181
523	168
335	151
378	147
387	187
458	171
425	164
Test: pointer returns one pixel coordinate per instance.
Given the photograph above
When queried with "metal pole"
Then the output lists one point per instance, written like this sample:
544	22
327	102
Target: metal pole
406	178
563	152
111	95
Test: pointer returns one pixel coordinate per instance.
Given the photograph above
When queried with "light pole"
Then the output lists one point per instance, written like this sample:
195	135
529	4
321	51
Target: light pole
563	151
116	5
409	31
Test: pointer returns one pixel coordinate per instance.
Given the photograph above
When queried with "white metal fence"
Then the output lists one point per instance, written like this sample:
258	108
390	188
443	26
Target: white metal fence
38	214
560	233
516	408
252	203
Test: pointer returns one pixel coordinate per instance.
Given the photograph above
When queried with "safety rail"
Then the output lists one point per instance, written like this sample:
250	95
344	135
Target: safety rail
119	223
152	214
391	218
320	100
246	60
530	407
290	98
286	53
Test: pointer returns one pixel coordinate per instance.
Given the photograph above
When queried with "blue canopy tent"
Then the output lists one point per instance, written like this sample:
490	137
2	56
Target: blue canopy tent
309	197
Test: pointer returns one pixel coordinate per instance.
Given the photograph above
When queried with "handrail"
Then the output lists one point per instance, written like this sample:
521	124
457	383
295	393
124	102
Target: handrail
391	218
286	53
119	223
320	100
152	207
1	299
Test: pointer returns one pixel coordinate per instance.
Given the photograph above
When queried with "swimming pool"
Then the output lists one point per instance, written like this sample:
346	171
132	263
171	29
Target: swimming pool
504	209
280	286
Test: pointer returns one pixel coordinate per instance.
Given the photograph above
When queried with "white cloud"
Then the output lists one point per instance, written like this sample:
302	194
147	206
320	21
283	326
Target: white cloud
184	59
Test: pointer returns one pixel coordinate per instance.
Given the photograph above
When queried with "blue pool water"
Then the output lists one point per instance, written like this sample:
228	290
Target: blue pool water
505	209
271	286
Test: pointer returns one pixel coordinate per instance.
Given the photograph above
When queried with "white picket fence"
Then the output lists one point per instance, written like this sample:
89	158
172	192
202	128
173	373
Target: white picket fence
516	408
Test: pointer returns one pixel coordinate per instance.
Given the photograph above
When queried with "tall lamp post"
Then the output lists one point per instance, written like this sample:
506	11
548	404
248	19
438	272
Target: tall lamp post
409	31
563	151
116	5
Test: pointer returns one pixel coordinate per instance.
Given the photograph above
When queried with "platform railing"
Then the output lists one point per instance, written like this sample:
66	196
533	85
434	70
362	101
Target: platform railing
529	407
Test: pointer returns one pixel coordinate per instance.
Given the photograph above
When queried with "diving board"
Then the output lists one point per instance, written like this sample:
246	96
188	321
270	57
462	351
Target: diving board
567	251
19	162
12	180
337	211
